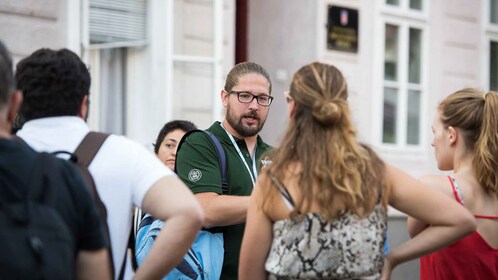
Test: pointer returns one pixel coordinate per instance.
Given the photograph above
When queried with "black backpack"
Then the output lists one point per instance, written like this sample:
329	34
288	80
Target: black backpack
36	242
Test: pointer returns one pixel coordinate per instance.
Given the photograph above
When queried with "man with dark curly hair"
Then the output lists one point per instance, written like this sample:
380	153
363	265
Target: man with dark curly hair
56	84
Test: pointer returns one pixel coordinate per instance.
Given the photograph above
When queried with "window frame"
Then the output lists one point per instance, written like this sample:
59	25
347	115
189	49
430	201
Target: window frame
85	32
404	19
490	35
215	59
404	11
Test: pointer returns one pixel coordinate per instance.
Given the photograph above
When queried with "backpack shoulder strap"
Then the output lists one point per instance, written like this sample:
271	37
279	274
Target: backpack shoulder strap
89	147
222	158
84	154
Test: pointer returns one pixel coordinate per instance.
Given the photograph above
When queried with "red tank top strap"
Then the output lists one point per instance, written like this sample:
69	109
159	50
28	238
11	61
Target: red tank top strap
455	193
486	217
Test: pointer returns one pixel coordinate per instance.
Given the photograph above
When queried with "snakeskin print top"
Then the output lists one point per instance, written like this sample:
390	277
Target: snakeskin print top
313	248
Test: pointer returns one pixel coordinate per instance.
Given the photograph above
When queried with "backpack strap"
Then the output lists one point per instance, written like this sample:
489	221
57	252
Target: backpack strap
222	161
222	158
84	155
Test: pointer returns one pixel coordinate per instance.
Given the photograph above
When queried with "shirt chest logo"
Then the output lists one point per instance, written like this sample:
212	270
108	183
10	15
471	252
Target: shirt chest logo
194	175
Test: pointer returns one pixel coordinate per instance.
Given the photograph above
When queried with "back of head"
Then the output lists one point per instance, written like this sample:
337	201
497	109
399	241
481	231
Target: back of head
53	83
475	113
320	91
244	68
322	139
170	126
7	85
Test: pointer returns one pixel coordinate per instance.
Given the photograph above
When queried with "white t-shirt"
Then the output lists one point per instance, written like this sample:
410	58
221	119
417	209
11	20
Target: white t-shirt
123	171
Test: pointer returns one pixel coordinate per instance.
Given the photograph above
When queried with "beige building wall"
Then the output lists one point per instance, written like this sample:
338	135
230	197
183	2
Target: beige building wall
172	76
26	25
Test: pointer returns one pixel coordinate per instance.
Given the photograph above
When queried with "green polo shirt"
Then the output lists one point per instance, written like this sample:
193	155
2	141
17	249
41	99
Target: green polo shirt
197	165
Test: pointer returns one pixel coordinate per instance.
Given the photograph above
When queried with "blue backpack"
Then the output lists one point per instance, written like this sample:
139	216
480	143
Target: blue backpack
204	260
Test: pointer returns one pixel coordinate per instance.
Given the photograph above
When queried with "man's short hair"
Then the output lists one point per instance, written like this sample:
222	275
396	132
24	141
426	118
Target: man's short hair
242	69
53	83
7	84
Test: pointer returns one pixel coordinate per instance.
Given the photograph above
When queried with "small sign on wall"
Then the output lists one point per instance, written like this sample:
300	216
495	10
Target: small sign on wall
342	29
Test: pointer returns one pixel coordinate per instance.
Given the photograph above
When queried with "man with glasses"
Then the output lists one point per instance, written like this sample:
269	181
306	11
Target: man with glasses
246	98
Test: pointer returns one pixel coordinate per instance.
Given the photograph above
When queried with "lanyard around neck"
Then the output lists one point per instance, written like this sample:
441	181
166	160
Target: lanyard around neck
253	177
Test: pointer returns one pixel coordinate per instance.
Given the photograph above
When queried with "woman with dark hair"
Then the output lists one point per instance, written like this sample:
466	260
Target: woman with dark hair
466	141
319	211
165	149
168	138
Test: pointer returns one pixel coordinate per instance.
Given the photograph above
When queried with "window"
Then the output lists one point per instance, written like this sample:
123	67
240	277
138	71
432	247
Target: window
116	23
414	5
197	52
493	66
112	90
403	83
108	90
493	11
492	40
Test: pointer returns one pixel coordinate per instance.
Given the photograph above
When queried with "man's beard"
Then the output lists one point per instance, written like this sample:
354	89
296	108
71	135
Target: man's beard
242	129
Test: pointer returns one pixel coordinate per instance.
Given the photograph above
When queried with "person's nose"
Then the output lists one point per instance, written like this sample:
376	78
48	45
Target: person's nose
254	104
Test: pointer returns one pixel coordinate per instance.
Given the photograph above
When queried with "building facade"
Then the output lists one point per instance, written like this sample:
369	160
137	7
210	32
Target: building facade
156	60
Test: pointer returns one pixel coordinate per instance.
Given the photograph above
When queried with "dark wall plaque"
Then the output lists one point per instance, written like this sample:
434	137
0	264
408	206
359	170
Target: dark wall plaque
342	29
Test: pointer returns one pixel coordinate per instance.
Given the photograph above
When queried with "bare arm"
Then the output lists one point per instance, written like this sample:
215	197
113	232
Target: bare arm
223	210
449	220
434	181
93	265
170	200
257	240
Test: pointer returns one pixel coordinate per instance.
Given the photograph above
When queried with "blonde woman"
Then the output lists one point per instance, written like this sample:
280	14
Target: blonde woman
466	141
319	211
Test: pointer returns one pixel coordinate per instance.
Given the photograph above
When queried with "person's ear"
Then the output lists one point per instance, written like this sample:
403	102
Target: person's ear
84	107
15	102
224	97
292	109
452	135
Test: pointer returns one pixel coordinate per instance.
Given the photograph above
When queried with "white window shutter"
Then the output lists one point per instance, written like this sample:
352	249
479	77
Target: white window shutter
117	22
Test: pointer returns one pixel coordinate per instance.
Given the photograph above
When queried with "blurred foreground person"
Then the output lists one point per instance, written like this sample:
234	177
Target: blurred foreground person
38	242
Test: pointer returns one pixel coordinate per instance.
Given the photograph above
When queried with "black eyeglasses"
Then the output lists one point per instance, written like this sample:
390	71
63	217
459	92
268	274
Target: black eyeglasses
246	97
